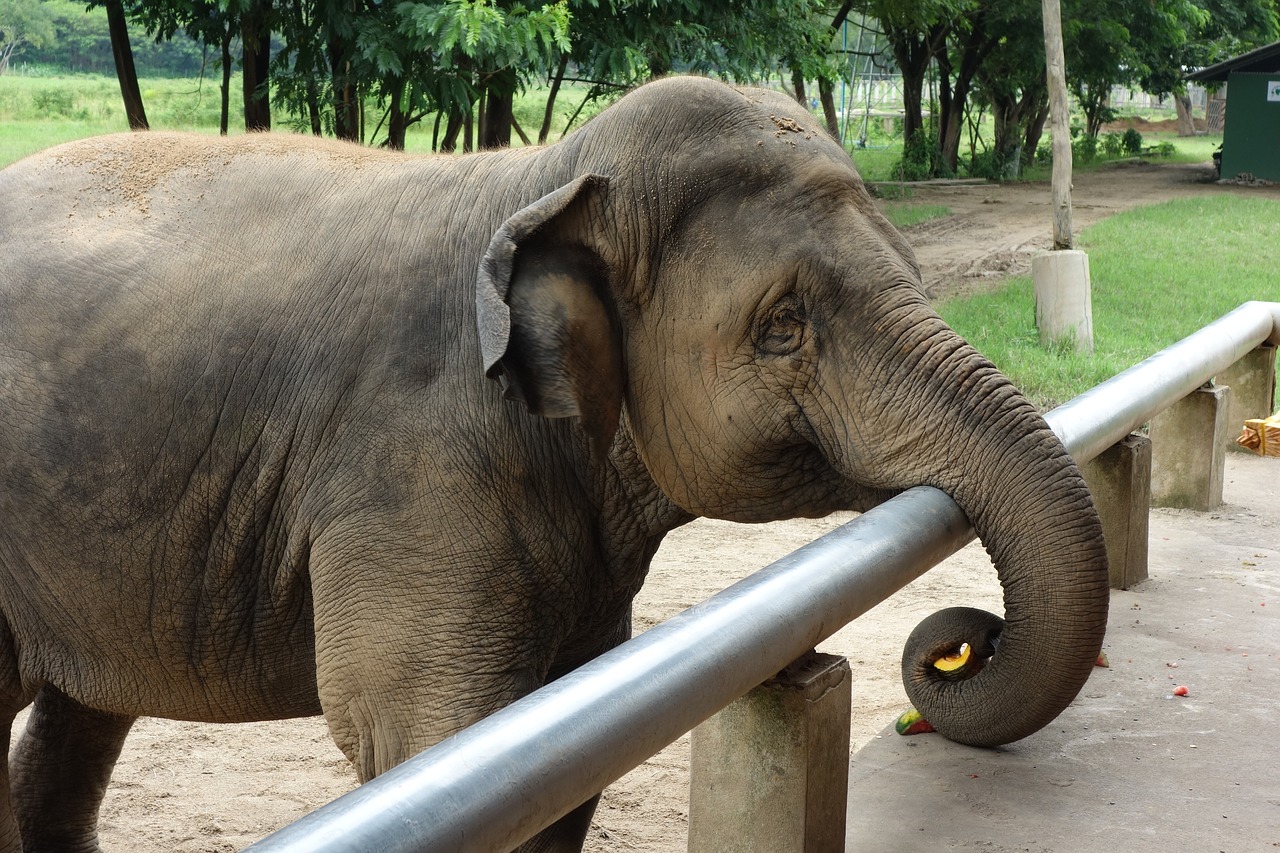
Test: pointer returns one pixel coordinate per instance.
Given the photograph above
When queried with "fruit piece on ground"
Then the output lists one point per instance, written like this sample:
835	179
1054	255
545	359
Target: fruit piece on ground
910	722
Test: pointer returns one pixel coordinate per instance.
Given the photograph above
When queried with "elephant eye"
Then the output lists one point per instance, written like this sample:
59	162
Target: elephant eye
781	330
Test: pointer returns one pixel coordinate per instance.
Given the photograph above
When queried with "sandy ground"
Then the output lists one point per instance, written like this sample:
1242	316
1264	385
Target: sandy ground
198	787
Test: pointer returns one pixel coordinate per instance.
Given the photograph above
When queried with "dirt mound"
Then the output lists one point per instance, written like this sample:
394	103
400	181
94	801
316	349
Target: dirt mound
1142	125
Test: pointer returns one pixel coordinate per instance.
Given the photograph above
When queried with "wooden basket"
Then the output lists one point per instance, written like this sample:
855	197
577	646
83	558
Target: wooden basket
1262	436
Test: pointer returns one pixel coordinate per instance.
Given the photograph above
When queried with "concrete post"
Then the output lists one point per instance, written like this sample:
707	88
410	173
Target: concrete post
1120	480
1252	381
1188	456
771	771
1064	306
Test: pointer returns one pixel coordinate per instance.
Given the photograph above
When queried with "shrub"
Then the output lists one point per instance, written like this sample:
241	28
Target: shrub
1132	141
53	102
1084	148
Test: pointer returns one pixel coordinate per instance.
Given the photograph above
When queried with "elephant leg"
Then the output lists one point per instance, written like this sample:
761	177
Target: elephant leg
566	835
60	771
10	840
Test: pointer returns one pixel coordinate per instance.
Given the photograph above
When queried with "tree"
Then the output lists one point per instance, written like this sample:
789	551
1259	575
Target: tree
126	72
1113	43
972	37
1012	81
206	22
23	22
483	53
1227	28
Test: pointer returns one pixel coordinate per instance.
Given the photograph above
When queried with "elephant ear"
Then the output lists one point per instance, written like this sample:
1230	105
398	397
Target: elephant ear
548	333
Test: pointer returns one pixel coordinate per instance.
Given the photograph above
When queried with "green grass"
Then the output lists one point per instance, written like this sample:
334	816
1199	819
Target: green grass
904	214
877	164
39	112
1158	274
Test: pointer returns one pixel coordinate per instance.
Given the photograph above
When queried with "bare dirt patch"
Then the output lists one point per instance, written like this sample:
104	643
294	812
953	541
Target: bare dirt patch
185	787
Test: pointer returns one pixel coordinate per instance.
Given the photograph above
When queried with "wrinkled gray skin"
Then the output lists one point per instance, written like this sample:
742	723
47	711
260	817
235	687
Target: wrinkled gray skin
252	466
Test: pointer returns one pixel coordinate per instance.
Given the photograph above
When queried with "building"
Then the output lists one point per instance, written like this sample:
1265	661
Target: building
1251	132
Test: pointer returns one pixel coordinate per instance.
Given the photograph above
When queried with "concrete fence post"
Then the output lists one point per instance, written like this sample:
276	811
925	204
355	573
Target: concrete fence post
1120	480
1188	455
770	772
1252	381
1064	303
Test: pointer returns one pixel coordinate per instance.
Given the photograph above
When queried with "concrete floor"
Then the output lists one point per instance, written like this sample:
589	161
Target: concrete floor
1129	766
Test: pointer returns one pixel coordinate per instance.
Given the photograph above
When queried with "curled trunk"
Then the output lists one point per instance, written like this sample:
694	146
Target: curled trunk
996	456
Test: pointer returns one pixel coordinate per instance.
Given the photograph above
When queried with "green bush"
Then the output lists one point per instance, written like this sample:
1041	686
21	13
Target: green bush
1132	141
1085	148
53	102
1113	144
921	158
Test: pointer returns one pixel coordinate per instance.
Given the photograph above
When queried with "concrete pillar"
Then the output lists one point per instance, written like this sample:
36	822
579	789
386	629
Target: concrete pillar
770	773
1252	381
1188	456
1120	479
1064	306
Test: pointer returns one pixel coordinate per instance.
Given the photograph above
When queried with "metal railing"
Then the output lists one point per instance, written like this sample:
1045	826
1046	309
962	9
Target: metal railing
500	781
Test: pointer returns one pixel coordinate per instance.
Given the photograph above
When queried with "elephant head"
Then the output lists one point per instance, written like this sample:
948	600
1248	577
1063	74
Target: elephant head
714	292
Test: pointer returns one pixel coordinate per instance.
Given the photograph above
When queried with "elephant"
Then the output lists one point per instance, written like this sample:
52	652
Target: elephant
291	427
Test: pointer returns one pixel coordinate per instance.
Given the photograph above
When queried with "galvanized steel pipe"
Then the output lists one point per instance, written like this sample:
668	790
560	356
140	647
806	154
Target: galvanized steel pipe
499	782
1106	413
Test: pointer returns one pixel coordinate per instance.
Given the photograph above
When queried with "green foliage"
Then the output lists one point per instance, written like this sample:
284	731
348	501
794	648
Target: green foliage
1131	141
480	30
23	22
55	102
1159	273
1084	148
81	44
921	158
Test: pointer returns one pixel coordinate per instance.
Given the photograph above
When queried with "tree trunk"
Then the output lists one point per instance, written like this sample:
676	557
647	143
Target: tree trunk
255	39
1035	126
497	115
398	119
224	117
346	105
1056	70
549	113
977	45
826	92
797	88
1186	123
913	52
126	73
452	128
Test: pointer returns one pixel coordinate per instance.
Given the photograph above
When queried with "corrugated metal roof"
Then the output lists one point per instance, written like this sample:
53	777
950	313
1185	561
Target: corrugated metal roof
1263	60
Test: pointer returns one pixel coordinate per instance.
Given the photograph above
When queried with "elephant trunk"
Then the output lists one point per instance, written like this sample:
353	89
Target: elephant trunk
998	459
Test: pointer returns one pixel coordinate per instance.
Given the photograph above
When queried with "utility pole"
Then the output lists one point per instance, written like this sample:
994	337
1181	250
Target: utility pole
1061	277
